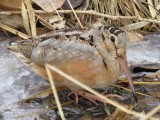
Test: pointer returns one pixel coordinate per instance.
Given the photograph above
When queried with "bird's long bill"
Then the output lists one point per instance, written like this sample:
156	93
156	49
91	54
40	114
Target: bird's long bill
123	63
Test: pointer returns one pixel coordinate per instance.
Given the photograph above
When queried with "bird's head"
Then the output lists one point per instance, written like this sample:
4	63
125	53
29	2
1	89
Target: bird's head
115	42
23	47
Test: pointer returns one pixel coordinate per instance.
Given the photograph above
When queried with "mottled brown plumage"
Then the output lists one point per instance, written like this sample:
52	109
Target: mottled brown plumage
94	60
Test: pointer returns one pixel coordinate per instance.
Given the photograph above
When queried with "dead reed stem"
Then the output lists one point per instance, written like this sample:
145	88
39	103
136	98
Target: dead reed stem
55	92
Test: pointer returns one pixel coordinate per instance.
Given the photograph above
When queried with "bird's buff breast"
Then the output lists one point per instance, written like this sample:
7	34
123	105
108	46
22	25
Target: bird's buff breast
90	72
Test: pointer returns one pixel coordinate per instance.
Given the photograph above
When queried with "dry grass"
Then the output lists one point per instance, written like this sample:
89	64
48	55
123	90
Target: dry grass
145	10
135	14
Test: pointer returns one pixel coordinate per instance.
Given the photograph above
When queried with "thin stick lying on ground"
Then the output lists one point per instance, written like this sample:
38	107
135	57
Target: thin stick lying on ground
144	83
94	92
16	32
130	90
89	12
55	92
45	22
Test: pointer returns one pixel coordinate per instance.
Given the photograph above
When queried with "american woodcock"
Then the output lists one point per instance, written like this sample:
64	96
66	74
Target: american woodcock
96	60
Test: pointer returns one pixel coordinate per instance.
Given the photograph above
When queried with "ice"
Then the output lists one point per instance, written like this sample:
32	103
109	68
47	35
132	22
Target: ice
145	52
13	78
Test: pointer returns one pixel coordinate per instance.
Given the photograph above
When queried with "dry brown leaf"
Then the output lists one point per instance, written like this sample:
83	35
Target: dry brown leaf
10	4
44	22
135	25
14	21
49	5
56	21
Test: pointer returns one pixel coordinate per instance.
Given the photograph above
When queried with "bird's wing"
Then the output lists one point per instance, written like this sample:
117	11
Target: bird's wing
59	50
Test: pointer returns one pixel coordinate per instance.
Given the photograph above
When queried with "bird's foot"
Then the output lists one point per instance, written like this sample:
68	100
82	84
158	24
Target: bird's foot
94	98
76	96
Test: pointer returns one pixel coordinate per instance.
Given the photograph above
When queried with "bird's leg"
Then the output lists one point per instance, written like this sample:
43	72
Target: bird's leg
76	96
115	96
76	93
94	98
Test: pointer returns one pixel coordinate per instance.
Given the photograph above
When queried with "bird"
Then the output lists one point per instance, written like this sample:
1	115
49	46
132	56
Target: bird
96	57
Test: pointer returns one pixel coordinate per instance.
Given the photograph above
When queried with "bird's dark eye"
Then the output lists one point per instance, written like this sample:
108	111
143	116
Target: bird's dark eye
112	38
90	36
